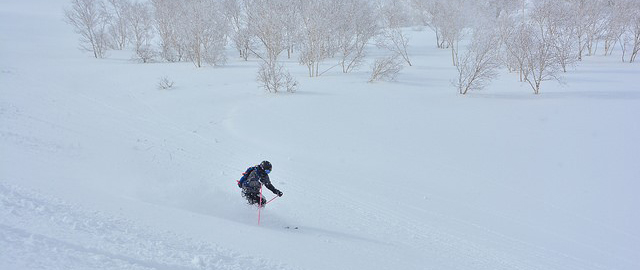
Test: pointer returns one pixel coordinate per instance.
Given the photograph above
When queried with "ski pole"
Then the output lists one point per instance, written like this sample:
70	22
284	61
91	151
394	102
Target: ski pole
259	205
271	200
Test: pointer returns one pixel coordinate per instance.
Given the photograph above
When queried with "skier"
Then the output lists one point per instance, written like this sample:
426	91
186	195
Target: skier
252	180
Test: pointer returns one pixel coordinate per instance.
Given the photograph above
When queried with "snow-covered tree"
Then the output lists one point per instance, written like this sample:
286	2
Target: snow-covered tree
89	19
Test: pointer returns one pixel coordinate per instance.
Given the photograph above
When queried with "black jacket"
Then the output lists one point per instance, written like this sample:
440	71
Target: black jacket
254	178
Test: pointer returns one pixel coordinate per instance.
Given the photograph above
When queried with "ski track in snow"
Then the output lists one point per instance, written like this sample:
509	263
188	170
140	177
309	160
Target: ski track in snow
38	232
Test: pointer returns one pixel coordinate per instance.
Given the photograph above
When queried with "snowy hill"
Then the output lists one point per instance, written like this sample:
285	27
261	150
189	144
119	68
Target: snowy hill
44	233
99	169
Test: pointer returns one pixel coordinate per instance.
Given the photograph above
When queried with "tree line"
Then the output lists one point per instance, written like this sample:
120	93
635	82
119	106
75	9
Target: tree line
536	39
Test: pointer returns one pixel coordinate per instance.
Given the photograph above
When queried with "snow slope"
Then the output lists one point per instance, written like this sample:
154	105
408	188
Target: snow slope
44	233
101	170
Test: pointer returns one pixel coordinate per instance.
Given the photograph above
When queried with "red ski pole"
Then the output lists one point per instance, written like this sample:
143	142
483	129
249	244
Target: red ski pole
271	200
259	204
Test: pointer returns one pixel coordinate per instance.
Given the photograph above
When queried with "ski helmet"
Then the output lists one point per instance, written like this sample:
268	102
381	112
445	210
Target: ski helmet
266	165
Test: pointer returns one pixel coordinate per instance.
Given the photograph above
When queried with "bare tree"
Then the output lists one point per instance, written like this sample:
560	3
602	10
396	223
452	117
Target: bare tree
497	8
141	27
267	24
588	16
478	66
541	61
318	25
241	36
517	41
393	13
449	19
429	13
623	26
396	41
566	46
266	21
614	27
204	32
392	37
510	37
356	27
293	27
555	21
634	33
118	28
89	19
538	65
168	28
453	26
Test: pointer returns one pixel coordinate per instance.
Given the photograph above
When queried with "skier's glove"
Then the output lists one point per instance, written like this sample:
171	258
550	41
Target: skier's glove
239	184
279	193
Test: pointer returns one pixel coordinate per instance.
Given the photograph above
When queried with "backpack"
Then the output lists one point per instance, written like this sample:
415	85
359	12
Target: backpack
245	175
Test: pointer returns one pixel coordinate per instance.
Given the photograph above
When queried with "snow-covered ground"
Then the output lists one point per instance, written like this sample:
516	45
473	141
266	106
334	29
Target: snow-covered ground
101	170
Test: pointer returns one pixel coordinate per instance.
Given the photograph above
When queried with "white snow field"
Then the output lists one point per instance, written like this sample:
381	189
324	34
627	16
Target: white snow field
101	170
